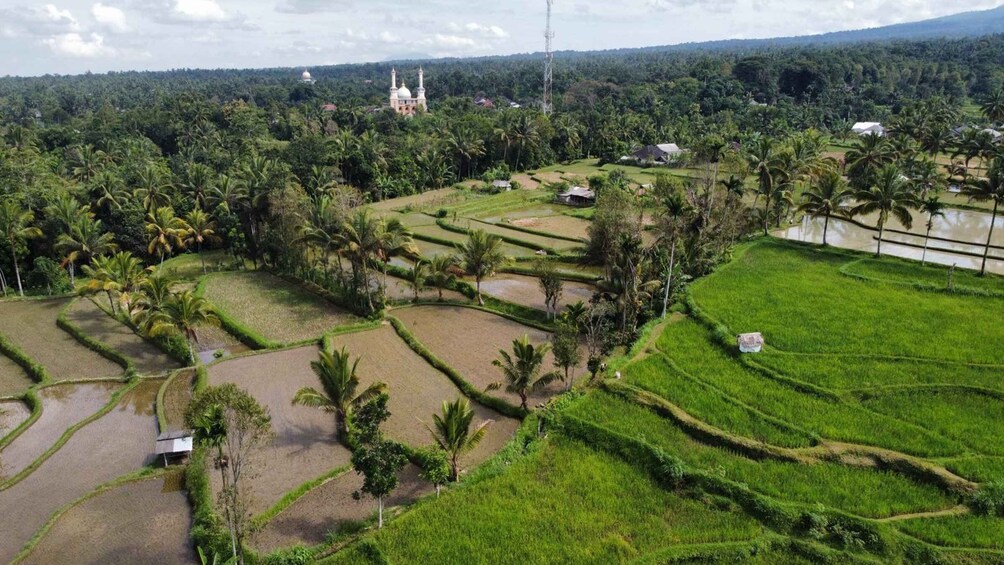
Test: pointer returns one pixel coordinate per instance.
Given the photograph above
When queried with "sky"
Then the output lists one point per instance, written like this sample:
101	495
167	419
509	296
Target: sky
77	36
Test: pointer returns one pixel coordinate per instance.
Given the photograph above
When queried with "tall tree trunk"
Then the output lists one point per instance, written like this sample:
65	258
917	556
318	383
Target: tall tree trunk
481	301
990	235
878	250
766	215
927	239
202	259
380	512
669	279
73	278
17	273
826	226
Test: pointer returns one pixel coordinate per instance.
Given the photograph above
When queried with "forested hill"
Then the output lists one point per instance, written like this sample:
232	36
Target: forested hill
967	24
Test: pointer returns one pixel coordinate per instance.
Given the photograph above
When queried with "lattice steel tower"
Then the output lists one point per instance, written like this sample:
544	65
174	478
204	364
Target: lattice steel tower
548	61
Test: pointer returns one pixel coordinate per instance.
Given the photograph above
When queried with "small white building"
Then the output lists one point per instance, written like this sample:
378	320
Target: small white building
750	343
305	78
653	155
868	128
502	185
173	444
578	196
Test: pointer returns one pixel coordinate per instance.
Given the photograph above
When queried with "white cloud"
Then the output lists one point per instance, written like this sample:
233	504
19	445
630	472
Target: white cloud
57	16
110	17
200	11
490	31
74	45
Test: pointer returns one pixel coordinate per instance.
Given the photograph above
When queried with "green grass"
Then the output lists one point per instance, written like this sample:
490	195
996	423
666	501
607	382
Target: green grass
688	346
796	296
965	531
865	492
481	204
980	468
933	276
563	504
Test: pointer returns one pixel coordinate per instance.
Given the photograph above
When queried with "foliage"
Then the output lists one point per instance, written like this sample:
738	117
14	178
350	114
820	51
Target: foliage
377	459
452	431
339	394
521	370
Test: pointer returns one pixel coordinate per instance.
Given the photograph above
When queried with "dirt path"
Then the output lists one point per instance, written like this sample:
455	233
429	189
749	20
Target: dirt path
97	324
140	522
118	443
959	510
62	406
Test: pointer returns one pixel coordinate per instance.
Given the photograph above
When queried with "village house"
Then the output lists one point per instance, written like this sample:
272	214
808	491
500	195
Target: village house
656	155
750	343
578	196
868	128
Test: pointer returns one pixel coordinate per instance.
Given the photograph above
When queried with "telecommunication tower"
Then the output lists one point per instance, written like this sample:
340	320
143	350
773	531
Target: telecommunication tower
548	61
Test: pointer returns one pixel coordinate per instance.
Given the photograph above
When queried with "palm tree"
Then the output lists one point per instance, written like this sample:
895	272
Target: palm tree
871	153
86	162
209	429
765	163
891	194
675	211
419	274
441	268
198	183
521	370
361	235
111	192
166	232
152	189
182	314
826	197
481	256
84	240
453	432
394	240
15	229
993	108
339	383
988	189
934	208
201	229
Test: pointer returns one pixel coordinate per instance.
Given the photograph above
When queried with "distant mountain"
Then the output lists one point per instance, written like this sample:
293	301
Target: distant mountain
967	24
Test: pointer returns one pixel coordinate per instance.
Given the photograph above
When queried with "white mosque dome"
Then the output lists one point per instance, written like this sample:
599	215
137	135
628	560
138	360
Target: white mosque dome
403	92
305	75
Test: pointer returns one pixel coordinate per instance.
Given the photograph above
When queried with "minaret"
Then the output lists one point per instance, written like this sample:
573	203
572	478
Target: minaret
393	88
421	90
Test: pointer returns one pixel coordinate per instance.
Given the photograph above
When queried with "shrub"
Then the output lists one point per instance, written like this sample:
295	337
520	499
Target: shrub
441	213
290	556
988	500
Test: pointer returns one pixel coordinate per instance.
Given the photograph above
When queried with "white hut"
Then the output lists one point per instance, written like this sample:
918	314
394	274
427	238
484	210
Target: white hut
173	444
750	343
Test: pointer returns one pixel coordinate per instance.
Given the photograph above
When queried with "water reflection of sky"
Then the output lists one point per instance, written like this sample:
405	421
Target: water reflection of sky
960	225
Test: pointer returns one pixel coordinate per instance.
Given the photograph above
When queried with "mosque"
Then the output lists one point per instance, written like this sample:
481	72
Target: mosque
400	98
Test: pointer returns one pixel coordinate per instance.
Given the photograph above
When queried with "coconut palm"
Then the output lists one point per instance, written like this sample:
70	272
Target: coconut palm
339	384
418	277
394	240
934	208
111	193
890	194
361	236
481	255
452	432
166	232
441	269
15	230
675	211
521	370
83	241
993	107
198	183
152	189
872	153
765	163
182	314
989	189
826	197
154	293
201	230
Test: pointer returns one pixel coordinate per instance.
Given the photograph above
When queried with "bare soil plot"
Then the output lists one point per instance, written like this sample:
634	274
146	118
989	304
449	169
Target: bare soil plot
414	219
525	290
177	398
13	379
398	289
432	198
274	308
565	226
526	181
534	210
141	522
62	406
310	519
469	340
416	389
97	324
31	325
118	443
305	445
12	414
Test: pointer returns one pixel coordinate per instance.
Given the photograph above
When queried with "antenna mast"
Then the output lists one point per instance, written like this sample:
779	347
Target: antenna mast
548	61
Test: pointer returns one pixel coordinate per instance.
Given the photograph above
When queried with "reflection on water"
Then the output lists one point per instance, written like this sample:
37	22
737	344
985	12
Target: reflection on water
958	225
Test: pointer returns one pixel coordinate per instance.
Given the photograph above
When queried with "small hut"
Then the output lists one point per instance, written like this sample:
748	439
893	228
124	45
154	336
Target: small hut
174	444
578	196
750	343
502	185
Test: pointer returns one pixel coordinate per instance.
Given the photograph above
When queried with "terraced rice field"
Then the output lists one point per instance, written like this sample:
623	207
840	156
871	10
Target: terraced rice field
12	414
430	199
13	379
140	522
177	397
525	290
278	310
95	323
31	326
86	461
416	389
469	340
538	241
305	445
398	289
439	233
62	407
565	226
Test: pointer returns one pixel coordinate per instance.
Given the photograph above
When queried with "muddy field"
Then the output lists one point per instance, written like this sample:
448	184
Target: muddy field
305	445
87	460
12	413
565	226
95	323
141	522
310	519
62	406
176	399
468	340
31	325
538	241
440	233
416	389
398	289
525	290
13	379
274	308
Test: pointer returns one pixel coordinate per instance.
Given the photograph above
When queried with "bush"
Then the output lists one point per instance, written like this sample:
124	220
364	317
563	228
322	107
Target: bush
441	213
291	556
988	500
49	275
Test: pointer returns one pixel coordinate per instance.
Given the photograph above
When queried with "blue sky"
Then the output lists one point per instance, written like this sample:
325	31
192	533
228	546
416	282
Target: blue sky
76	36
